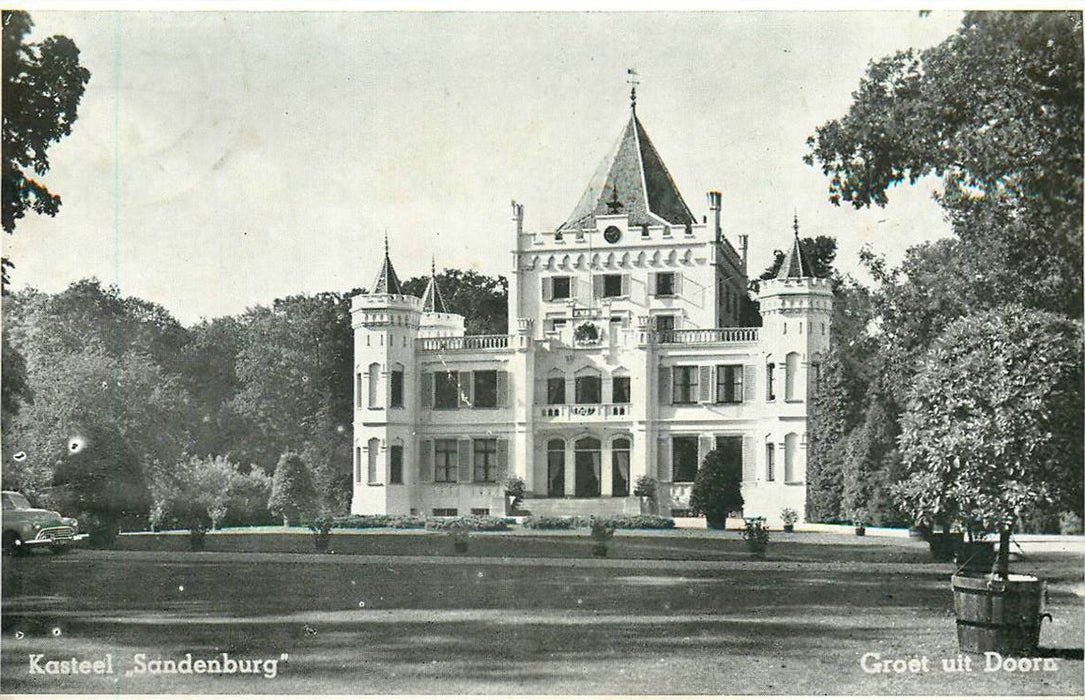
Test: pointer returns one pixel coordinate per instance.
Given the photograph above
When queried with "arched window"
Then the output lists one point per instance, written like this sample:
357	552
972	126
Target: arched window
395	462
374	379
357	465
555	467
588	465
791	374
770	459
555	387
791	448
374	446
619	461
589	386
395	386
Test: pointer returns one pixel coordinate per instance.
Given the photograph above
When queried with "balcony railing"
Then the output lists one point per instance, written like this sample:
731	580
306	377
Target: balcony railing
467	342
576	412
695	336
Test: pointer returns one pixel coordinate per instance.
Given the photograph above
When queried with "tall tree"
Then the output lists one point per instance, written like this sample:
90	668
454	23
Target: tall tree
43	83
480	299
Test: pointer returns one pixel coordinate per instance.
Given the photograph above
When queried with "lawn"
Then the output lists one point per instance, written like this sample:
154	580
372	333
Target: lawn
668	613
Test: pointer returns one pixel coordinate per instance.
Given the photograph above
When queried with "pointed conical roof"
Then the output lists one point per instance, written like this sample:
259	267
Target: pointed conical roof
432	300
794	264
387	281
631	180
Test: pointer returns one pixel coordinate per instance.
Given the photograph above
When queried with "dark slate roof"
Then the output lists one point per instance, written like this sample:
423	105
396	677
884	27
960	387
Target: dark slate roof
634	175
794	264
432	299
387	281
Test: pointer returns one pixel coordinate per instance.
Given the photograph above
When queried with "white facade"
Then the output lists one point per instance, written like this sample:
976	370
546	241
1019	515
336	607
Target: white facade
625	357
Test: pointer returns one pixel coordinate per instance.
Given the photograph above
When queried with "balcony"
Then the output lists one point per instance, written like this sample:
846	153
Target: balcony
467	343
703	336
584	412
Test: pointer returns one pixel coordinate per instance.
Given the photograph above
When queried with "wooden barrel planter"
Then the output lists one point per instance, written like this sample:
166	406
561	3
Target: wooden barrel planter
975	557
995	614
943	545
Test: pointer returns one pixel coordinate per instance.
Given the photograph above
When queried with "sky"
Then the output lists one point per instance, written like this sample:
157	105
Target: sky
222	160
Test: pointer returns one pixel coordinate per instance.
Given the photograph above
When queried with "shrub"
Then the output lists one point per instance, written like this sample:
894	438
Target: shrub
619	522
717	489
293	494
646	486
398	522
548	522
480	523
789	516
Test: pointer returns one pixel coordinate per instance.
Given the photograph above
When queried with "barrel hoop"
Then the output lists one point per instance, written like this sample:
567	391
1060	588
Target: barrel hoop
993	625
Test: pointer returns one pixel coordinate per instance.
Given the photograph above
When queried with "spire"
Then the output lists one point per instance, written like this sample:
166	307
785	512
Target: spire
794	264
431	298
634	176
633	82
387	282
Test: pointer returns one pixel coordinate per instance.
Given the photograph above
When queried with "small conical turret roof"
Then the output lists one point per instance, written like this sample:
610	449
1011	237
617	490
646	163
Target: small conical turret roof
387	281
794	264
631	180
431	299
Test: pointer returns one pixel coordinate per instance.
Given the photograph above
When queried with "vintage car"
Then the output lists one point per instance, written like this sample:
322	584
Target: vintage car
25	526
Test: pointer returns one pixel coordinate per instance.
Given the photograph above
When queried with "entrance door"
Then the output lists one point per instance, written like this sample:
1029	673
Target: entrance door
588	467
555	468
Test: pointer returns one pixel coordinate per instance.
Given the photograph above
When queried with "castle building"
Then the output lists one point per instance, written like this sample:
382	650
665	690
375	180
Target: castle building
627	356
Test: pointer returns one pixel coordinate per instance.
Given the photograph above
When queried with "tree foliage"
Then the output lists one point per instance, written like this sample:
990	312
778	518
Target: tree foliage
43	83
717	488
994	423
819	253
480	299
206	492
293	495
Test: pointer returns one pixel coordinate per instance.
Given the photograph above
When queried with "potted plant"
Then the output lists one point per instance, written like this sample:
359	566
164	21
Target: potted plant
586	333
197	534
514	493
461	537
1012	449
645	488
790	517
601	532
858	518
756	536
322	532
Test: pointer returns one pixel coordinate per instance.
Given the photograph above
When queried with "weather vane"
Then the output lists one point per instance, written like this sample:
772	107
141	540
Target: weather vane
633	82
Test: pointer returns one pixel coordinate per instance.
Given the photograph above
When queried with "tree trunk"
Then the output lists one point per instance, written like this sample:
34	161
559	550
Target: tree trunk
1002	561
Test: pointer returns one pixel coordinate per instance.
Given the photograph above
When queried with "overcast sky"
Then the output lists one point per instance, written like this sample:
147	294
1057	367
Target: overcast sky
222	160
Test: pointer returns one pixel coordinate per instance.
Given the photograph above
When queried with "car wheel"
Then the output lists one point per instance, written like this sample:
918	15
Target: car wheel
12	545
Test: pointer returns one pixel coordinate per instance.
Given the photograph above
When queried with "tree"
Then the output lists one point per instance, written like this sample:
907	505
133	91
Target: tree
717	488
480	299
43	83
871	465
293	495
994	423
995	111
828	429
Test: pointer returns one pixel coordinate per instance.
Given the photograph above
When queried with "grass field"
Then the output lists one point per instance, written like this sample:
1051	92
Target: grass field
673	612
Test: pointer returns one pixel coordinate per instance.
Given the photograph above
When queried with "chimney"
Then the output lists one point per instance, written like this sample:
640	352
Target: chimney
714	203
518	216
744	243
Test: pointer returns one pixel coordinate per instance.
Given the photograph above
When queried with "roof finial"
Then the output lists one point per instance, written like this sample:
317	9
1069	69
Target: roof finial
432	266
795	225
386	243
632	80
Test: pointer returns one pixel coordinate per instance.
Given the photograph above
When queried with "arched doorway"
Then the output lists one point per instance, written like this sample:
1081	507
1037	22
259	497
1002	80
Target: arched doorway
588	461
555	467
619	451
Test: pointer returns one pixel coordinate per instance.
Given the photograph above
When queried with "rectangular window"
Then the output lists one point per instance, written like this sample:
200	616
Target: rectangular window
612	286
558	324
485	459
664	322
684	458
664	284
445	512
396	389
358	390
486	388
770	462
770	381
445	461
685	385
555	390
395	465
621	390
589	389
447	390
562	288
480	511
729	384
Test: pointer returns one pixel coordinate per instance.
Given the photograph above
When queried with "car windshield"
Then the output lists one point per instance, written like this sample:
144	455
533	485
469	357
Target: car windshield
15	501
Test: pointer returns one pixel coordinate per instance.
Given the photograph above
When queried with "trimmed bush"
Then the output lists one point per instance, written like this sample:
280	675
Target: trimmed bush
479	523
398	522
619	522
548	522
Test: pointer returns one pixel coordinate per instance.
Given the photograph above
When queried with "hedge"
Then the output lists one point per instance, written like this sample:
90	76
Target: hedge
399	522
483	523
620	522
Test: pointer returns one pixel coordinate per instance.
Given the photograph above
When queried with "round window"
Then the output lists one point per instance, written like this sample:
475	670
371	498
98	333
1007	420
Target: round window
613	234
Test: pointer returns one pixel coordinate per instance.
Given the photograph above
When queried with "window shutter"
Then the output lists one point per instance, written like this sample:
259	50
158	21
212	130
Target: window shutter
663	458
502	388
705	445
597	286
427	389
464	458
425	461
652	284
677	283
464	383
749	452
664	386
749	382
625	285
547	288
704	383
502	460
